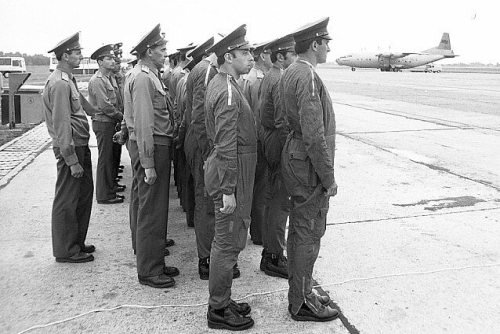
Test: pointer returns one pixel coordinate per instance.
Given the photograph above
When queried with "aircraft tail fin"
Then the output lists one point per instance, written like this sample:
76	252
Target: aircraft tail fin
444	47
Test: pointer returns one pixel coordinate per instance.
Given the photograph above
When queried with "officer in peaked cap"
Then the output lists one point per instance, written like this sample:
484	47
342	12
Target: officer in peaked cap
308	168
274	133
68	126
177	73
229	174
250	85
69	44
196	148
119	77
103	96
166	76
150	138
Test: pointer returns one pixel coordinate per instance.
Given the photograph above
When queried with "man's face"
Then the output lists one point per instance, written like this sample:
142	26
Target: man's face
266	55
290	57
323	50
118	65
158	55
107	63
74	58
242	61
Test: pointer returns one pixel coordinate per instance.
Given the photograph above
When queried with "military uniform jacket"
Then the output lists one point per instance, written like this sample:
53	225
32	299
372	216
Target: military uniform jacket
65	119
231	128
310	115
180	100
146	112
272	118
103	96
196	87
251	88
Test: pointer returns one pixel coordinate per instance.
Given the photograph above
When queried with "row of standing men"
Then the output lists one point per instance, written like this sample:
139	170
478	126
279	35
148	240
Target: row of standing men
249	152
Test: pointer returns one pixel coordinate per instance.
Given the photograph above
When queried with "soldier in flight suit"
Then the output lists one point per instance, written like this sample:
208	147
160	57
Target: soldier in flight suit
251	88
274	133
150	131
307	166
69	129
229	176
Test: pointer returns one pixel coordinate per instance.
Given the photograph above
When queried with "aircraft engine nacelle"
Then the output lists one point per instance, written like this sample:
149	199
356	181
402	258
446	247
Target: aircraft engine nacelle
393	55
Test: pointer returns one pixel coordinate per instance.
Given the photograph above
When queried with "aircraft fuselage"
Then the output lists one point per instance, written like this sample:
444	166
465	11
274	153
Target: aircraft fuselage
372	60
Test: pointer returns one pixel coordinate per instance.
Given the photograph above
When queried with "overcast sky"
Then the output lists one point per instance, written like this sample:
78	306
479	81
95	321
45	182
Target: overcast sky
35	26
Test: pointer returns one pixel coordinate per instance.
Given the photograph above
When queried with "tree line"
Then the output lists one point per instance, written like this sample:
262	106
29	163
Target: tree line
30	60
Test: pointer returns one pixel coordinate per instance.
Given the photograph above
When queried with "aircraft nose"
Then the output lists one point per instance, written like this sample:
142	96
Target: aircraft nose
338	61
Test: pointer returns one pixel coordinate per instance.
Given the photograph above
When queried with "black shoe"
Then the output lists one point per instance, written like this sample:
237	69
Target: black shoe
241	308
227	318
79	257
277	266
118	178
236	271
171	271
166	252
169	242
264	259
204	268
121	166
87	249
325	313
161	281
120	196
115	200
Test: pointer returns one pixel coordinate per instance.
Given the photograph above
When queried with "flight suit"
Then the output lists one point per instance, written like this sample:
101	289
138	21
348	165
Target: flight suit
197	149
230	169
69	129
308	170
251	88
150	130
275	131
103	97
117	81
180	161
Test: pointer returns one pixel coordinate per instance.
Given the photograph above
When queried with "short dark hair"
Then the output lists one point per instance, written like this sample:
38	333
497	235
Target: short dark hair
221	59
303	46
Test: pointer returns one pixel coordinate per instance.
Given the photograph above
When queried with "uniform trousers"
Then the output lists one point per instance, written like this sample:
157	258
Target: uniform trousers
72	204
259	194
204	219
106	172
277	211
134	199
307	226
231	232
188	194
152	213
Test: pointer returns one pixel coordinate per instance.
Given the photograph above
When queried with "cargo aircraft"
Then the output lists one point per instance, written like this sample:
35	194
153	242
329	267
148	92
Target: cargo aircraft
394	61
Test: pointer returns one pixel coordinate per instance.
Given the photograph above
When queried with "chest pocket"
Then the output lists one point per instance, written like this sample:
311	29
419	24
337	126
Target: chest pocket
111	93
159	101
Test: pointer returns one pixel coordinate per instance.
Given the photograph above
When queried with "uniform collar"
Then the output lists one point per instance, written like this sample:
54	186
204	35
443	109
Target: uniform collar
148	65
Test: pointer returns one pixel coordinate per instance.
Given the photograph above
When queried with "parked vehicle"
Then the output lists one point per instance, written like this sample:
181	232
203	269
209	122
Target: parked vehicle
87	66
433	68
12	65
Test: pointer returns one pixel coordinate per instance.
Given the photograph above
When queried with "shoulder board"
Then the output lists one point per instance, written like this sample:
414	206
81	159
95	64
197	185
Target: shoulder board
145	69
65	76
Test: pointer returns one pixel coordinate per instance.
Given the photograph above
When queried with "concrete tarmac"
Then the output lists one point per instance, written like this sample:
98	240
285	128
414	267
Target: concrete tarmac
412	242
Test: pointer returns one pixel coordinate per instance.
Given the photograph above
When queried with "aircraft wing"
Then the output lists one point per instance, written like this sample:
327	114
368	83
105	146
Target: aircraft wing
395	55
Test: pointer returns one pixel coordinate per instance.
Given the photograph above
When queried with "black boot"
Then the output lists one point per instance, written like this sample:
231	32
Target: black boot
204	268
228	318
277	266
264	259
